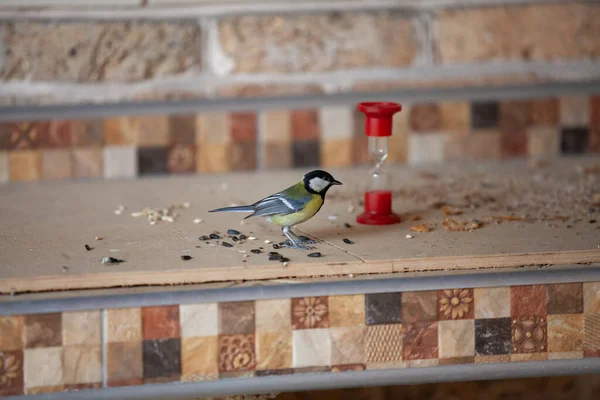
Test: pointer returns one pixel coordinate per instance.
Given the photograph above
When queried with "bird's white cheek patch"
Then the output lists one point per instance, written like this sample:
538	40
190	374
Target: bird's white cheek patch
318	184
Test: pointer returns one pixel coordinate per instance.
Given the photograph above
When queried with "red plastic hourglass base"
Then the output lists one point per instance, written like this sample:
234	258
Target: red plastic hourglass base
378	209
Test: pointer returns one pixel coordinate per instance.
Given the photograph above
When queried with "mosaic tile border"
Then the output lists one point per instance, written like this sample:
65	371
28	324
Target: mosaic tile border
331	136
42	353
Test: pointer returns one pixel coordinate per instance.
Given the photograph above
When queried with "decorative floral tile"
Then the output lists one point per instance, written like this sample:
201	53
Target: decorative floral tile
54	134
24	135
529	335
383	308
455	304
310	312
237	353
11	372
181	158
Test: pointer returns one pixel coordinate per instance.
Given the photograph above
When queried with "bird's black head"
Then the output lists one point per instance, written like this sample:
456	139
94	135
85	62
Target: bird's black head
319	181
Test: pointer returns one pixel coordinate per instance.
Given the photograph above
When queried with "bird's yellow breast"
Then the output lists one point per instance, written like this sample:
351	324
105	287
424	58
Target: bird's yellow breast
298	217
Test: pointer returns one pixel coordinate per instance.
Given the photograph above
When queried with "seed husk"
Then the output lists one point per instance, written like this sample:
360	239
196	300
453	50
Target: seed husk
255	251
273	253
315	254
348	241
347	225
214	236
226	244
232	232
111	260
204	237
88	247
243	237
276	246
186	257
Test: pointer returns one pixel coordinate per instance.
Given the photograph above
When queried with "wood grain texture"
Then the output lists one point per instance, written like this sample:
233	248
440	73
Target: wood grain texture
45	228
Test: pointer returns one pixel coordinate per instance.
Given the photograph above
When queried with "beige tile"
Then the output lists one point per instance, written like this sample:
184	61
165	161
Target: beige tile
500	358
347	345
4	170
591	297
274	350
336	122
213	157
387	365
213	128
275	126
123	324
430	362
455	117
528	357
120	131
426	148
82	364
88	162
11	333
124	362
492	302
565	332
398	147
199	319
456	338
336	153
347	310
311	347
153	130
120	162
81	328
56	164
25	165
574	110
199	358
43	367
273	315
543	141
566	355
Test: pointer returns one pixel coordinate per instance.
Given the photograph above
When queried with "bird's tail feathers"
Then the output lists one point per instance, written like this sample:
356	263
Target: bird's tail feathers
234	209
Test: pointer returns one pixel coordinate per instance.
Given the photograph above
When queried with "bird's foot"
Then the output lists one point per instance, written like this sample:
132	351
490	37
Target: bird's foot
289	245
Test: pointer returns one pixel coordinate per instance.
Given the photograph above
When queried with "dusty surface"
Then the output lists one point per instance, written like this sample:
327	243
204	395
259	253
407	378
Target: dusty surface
508	215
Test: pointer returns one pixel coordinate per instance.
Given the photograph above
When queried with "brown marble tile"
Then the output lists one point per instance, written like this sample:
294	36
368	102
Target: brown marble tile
544	112
87	162
492	302
127	382
310	312
243	127
419	340
529	335
25	165
565	332
237	317
565	298
591	297
43	330
527	301
455	117
383	343
199	319
347	345
347	310
274	350
237	353
213	129
162	359
181	159
81	328
11	333
336	153
457	360
419	306
455	304
213	157
88	133
56	164
82	364
243	156
124	363
456	338
305	124
123	324
514	121
199	358
6	133
277	155
501	358
160	322
311	348
425	117
55	135
591	353
182	130
348	368
273	315
591	332
43	367
11	372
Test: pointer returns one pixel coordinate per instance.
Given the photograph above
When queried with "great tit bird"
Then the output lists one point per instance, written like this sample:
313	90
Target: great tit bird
292	206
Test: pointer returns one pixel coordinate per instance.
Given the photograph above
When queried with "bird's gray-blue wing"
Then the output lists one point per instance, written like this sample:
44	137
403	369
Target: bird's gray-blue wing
279	204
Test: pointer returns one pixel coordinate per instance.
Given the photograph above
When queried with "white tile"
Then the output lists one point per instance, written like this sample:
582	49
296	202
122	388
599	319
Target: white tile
456	338
4	171
120	162
199	319
336	122
311	348
425	148
493	302
43	367
273	315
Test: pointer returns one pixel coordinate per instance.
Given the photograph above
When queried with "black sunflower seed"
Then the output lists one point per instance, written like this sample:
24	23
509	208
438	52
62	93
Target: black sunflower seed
186	257
234	238
346	240
276	246
316	254
232	232
347	225
255	251
88	247
204	237
273	253
284	259
275	258
214	236
243	237
225	244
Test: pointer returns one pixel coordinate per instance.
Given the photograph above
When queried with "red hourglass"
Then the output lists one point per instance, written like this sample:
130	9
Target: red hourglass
378	199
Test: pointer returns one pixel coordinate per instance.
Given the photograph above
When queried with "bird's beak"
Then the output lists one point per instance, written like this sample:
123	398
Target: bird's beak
336	182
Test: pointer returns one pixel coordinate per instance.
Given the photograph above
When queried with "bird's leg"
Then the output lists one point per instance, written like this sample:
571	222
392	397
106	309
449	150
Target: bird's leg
301	240
294	245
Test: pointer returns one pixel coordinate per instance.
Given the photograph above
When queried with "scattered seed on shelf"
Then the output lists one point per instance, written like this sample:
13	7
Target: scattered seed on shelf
198	247
255	251
65	268
267	241
276	246
241	251
214	236
275	258
251	238
409	236
332	217
316	254
285	264
232	232
197	221
284	260
114	250
348	241
273	253
234	238
347	225
592	221
98	238
186	257
88	247
111	260
243	237
225	244
203	237
186	205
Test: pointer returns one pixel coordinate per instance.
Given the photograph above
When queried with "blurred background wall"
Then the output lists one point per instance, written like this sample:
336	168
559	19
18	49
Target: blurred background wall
478	79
